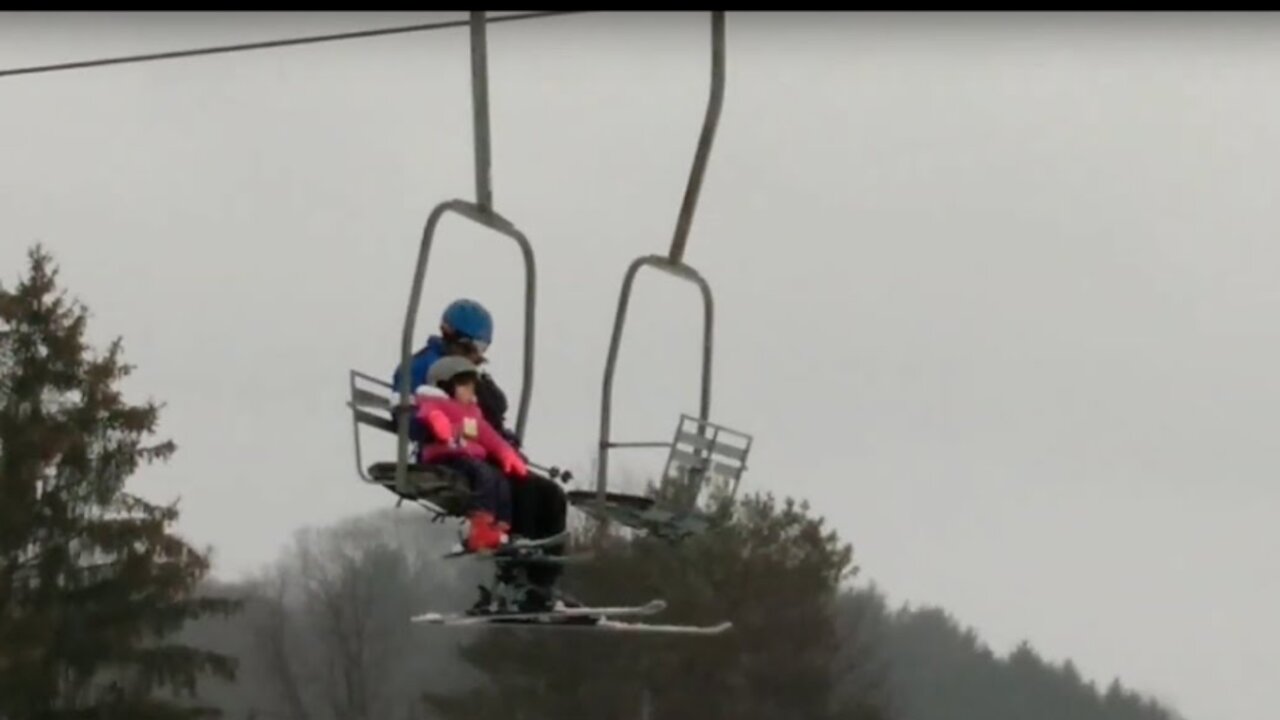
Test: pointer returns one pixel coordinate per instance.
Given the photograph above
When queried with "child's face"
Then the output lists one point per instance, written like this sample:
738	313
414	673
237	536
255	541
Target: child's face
465	392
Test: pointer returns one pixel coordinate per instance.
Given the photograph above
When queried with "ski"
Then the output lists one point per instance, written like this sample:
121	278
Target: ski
607	625
550	617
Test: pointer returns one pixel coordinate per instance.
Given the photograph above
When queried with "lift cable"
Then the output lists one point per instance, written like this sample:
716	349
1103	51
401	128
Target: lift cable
269	44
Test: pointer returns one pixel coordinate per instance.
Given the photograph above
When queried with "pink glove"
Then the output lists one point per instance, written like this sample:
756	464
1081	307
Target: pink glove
513	465
440	425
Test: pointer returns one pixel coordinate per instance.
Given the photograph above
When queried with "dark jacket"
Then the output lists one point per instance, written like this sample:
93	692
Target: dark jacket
493	404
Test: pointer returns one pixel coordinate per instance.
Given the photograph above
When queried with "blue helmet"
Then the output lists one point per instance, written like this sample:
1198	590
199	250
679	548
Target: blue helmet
469	319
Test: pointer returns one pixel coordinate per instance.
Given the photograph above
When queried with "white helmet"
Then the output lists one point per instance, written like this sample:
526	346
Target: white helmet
449	367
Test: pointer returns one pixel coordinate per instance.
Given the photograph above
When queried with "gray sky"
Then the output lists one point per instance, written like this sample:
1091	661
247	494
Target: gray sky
996	293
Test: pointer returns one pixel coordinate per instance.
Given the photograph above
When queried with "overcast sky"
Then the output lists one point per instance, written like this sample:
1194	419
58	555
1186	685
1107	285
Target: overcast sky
998	294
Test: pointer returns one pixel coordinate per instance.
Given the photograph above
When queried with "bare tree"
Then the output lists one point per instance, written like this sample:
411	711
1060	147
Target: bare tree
335	641
270	637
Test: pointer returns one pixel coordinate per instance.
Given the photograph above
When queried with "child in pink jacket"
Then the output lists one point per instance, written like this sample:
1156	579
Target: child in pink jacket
461	439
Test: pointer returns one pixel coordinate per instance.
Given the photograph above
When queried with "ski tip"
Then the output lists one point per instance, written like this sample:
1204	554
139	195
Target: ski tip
618	626
607	625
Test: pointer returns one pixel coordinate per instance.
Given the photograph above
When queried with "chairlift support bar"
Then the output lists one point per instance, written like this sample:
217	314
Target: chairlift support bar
672	264
480	110
480	212
709	125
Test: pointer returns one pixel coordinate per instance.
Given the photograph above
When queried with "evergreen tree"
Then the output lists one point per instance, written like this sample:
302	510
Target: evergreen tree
92	579
940	671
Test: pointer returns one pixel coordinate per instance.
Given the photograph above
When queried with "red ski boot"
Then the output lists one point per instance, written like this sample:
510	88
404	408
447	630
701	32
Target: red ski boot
484	533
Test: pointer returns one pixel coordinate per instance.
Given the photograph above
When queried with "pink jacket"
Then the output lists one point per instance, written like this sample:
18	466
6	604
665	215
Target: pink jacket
467	433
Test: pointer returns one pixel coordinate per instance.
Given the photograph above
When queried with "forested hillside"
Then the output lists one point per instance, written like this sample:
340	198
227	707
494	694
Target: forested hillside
325	636
105	612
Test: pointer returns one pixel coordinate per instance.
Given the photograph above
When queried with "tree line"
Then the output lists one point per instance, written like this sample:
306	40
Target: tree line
106	612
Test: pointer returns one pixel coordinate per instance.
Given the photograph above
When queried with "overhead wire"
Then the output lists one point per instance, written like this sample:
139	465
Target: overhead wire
278	43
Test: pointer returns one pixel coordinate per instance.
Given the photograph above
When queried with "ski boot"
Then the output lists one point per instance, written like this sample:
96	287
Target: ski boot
546	599
505	596
484	535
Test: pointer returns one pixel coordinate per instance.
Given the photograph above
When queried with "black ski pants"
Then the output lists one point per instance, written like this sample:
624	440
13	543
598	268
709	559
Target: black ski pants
539	510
